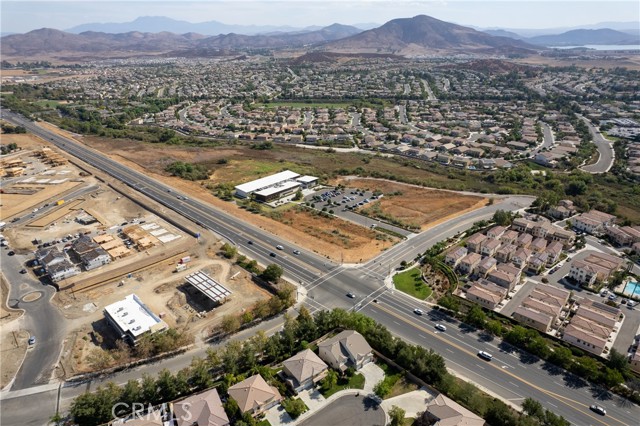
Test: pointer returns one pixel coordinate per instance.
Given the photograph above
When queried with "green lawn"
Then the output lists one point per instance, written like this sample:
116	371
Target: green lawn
410	282
47	104
396	381
264	422
354	382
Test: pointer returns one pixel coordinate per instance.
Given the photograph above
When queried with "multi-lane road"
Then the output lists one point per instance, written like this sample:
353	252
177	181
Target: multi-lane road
325	284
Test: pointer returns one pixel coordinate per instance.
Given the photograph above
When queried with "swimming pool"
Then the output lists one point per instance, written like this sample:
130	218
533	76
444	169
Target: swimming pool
632	289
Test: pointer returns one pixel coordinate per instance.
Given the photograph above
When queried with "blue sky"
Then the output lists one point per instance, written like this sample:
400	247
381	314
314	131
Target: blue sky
26	15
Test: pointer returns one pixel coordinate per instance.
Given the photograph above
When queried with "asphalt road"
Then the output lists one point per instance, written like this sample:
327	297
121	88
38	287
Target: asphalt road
41	319
326	283
605	151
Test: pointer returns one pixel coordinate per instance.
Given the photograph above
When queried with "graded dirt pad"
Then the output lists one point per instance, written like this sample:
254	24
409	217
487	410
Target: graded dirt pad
13	204
12	338
25	141
414	205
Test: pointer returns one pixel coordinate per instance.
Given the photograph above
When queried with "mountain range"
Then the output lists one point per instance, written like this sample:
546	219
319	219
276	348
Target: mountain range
417	36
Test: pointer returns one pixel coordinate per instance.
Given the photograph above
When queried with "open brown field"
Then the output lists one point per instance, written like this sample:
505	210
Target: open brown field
413	205
13	204
337	239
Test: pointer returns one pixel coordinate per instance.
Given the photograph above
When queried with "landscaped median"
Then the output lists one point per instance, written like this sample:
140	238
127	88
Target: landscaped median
410	282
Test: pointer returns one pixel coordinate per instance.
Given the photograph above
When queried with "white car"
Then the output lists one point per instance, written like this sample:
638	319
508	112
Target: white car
598	409
279	247
441	327
485	355
417	311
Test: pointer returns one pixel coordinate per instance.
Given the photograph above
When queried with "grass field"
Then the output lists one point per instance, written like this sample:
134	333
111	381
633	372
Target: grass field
354	382
410	282
47	104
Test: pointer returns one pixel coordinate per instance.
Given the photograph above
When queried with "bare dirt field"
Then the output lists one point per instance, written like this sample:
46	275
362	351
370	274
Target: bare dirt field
414	205
631	61
242	164
164	292
13	204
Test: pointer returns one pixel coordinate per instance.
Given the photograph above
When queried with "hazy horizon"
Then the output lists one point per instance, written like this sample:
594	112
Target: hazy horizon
26	15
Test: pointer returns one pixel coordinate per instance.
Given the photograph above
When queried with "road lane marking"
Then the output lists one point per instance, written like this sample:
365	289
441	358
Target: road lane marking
571	403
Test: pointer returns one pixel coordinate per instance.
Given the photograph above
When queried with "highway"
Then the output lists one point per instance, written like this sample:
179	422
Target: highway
326	283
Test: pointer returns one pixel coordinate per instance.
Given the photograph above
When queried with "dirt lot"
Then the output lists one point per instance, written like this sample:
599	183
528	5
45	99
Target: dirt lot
414	205
163	291
335	239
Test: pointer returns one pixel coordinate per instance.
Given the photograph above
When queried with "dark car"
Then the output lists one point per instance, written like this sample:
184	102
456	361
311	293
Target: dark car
11	253
250	242
351	295
23	271
272	254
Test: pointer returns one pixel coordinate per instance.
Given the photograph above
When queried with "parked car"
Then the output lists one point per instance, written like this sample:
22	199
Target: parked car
23	271
32	340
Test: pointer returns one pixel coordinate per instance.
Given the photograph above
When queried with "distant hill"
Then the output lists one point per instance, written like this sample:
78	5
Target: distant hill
627	27
423	34
504	33
582	37
52	42
156	24
47	40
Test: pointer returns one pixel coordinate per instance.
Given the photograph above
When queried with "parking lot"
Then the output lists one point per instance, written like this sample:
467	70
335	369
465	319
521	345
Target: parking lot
346	205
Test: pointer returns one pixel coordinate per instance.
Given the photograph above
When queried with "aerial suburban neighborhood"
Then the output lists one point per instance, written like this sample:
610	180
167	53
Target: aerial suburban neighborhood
408	223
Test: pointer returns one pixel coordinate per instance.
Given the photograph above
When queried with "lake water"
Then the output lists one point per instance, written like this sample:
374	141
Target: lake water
602	47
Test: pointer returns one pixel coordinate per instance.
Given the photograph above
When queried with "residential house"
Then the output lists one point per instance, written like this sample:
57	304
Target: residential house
583	339
469	262
564	236
489	246
521	257
505	275
524	240
62	270
496	232
553	252
442	411
346	349
596	266
454	256
521	224
541	321
592	222
485	266
537	263
563	210
505	252
204	408
538	245
254	395
625	236
510	237
474	242
303	370
486	294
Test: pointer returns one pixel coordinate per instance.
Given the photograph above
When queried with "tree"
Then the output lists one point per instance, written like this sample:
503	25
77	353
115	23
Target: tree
449	302
561	356
618	361
272	273
228	251
538	346
330	380
149	389
99	359
294	407
298	195
612	377
502	218
200	376
167	385
382	388
494	327
230	323
533	408
397	415
476	316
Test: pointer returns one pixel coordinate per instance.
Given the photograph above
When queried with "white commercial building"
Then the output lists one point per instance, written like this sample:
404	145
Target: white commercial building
132	319
275	186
